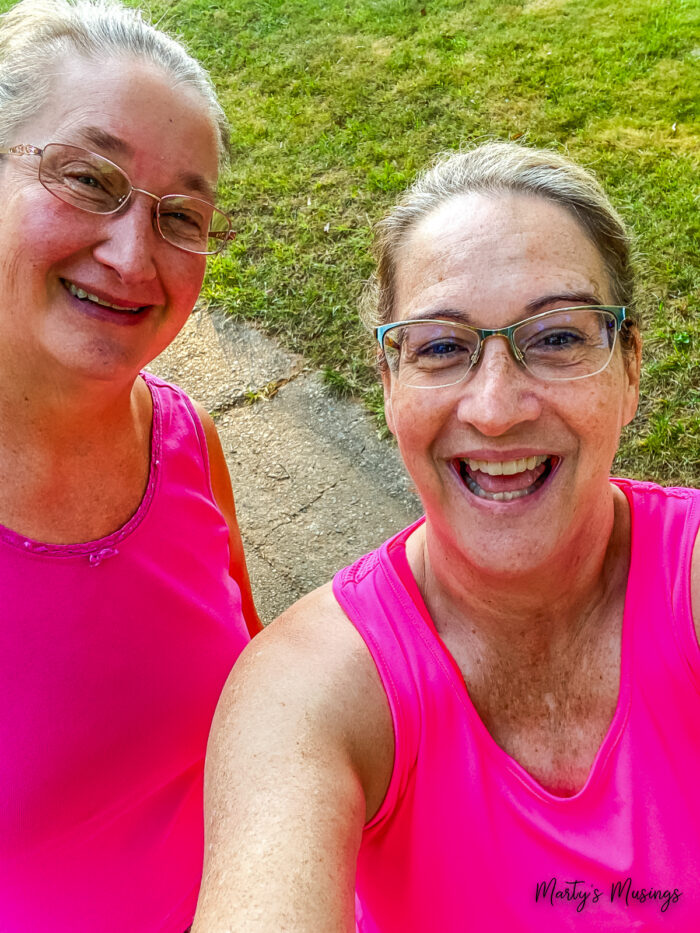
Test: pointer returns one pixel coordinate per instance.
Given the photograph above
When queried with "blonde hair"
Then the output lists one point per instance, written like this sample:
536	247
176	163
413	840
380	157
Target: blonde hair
35	34
493	168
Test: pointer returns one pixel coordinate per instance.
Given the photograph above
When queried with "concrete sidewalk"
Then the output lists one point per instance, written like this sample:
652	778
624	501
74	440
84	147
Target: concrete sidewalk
315	487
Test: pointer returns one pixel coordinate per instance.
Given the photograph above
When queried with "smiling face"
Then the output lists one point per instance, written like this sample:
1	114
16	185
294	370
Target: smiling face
510	468
52	255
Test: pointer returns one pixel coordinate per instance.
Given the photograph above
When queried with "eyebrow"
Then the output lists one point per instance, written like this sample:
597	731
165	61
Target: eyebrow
572	299
443	314
105	141
198	183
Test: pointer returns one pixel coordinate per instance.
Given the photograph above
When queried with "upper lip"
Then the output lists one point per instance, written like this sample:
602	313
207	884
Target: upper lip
106	297
501	456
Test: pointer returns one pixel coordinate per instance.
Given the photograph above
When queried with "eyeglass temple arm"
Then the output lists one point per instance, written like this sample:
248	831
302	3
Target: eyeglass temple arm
220	235
21	150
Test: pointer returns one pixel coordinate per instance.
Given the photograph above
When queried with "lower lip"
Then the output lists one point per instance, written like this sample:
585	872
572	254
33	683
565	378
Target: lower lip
536	487
111	315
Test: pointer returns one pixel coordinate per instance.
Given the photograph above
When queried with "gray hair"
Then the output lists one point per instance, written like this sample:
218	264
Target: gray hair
35	34
493	168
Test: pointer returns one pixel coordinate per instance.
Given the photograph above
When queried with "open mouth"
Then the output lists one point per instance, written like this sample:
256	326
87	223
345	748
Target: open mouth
504	480
82	295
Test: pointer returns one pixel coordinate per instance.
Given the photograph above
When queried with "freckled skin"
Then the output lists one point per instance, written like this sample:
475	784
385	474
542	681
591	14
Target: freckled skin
488	257
528	665
76	419
527	595
43	240
76	424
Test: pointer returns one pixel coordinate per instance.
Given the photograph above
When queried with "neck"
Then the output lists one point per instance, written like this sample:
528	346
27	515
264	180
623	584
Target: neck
43	407
544	606
74	454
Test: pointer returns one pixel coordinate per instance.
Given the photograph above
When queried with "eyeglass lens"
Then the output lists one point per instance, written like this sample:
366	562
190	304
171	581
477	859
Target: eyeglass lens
94	184
561	345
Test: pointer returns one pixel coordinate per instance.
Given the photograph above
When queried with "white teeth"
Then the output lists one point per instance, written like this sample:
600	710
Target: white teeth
499	468
506	467
498	496
81	293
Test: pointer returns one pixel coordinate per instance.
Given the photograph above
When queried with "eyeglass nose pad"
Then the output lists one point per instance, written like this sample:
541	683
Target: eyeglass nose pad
123	199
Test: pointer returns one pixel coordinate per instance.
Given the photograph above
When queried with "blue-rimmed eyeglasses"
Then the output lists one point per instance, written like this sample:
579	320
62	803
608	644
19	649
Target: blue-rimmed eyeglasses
559	345
94	184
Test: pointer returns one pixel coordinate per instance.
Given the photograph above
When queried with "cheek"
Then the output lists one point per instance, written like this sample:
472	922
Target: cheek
185	274
24	258
13	266
388	405
596	419
415	419
42	231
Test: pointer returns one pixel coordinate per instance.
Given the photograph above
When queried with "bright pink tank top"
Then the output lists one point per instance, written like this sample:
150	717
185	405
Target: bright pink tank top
466	840
112	658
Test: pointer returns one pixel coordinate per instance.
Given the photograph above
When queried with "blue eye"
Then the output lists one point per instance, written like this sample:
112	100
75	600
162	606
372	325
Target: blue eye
555	339
442	352
439	348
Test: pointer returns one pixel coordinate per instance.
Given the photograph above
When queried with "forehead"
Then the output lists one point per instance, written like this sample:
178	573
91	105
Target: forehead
479	252
128	110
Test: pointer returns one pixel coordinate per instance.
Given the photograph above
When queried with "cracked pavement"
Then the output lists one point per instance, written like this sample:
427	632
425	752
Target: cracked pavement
315	486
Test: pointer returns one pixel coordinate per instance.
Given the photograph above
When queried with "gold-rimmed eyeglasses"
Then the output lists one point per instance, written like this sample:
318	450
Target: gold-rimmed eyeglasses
92	183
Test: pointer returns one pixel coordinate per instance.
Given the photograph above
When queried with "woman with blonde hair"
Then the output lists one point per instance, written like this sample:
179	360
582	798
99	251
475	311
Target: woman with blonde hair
125	597
491	722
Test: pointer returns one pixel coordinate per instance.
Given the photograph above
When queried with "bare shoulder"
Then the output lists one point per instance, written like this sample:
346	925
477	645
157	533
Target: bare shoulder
209	428
218	469
223	495
299	757
316	629
311	666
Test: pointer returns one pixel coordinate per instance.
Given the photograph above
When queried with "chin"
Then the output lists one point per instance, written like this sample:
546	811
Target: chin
100	364
504	539
503	557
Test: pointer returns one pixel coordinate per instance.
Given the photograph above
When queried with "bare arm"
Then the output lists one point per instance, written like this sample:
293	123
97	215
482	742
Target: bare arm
300	755
223	493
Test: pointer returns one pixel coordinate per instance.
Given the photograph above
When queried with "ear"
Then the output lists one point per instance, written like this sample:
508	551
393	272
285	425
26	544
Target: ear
388	412
633	365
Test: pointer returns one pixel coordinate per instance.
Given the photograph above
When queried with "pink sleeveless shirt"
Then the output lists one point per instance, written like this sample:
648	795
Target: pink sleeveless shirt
112	658
466	839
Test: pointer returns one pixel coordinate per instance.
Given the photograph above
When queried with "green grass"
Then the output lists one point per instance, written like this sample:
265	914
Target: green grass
336	104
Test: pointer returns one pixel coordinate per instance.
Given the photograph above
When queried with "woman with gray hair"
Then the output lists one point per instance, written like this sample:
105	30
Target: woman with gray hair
491	722
125	597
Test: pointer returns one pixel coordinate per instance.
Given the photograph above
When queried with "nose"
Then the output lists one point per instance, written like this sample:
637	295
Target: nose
129	241
498	394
